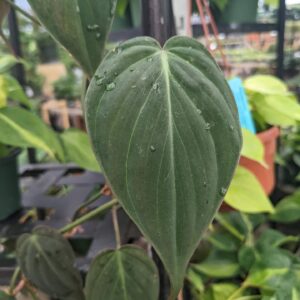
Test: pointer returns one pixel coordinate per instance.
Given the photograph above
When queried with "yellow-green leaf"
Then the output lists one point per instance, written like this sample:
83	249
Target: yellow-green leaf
265	84
253	147
246	193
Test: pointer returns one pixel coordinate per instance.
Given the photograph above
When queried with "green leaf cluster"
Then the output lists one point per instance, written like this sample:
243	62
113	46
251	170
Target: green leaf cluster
246	261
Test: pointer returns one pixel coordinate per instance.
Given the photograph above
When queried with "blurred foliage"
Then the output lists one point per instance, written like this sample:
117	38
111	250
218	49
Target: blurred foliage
246	260
67	87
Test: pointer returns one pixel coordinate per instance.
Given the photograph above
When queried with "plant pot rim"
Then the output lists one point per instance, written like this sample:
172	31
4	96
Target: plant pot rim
269	134
12	155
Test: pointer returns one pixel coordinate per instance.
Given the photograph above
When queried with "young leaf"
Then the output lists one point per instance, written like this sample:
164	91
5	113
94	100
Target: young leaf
220	291
22	128
47	261
81	27
265	84
78	149
122	274
288	209
219	264
278	110
246	194
253	147
164	125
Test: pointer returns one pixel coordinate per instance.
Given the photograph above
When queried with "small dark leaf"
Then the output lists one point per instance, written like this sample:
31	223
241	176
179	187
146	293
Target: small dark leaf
123	274
47	260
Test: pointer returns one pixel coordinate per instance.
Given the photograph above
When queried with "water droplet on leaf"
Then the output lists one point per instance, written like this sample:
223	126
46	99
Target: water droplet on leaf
100	80
152	148
223	191
155	86
207	126
111	86
149	59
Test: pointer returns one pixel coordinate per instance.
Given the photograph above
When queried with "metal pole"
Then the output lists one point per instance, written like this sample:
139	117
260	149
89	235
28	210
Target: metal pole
18	71
158	19
158	22
281	39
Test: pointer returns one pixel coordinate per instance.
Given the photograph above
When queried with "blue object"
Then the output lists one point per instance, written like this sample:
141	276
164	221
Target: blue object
241	100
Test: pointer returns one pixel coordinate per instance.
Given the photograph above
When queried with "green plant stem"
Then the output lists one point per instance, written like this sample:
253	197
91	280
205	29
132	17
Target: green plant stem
14	279
238	292
23	12
92	199
89	215
116	226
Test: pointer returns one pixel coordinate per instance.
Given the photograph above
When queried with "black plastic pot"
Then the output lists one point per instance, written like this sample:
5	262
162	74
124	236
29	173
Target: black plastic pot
10	196
238	12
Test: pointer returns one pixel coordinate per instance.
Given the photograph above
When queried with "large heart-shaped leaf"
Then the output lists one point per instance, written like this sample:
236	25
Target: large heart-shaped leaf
80	26
165	128
122	274
47	260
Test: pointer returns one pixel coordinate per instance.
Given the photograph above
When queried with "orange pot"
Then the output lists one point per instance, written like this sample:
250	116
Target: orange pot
266	176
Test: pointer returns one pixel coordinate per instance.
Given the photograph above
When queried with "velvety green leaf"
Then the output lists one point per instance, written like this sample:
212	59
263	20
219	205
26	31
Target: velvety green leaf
278	110
80	26
47	260
7	62
164	126
246	193
265	84
288	209
253	147
78	149
246	257
15	91
271	238
122	274
234	223
3	295
223	241
22	128
219	265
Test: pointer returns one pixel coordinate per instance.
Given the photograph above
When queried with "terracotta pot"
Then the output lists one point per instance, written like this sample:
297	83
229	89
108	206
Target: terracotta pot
266	176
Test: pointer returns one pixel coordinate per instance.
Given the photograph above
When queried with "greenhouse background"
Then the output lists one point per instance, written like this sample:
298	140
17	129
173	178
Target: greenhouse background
149	149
